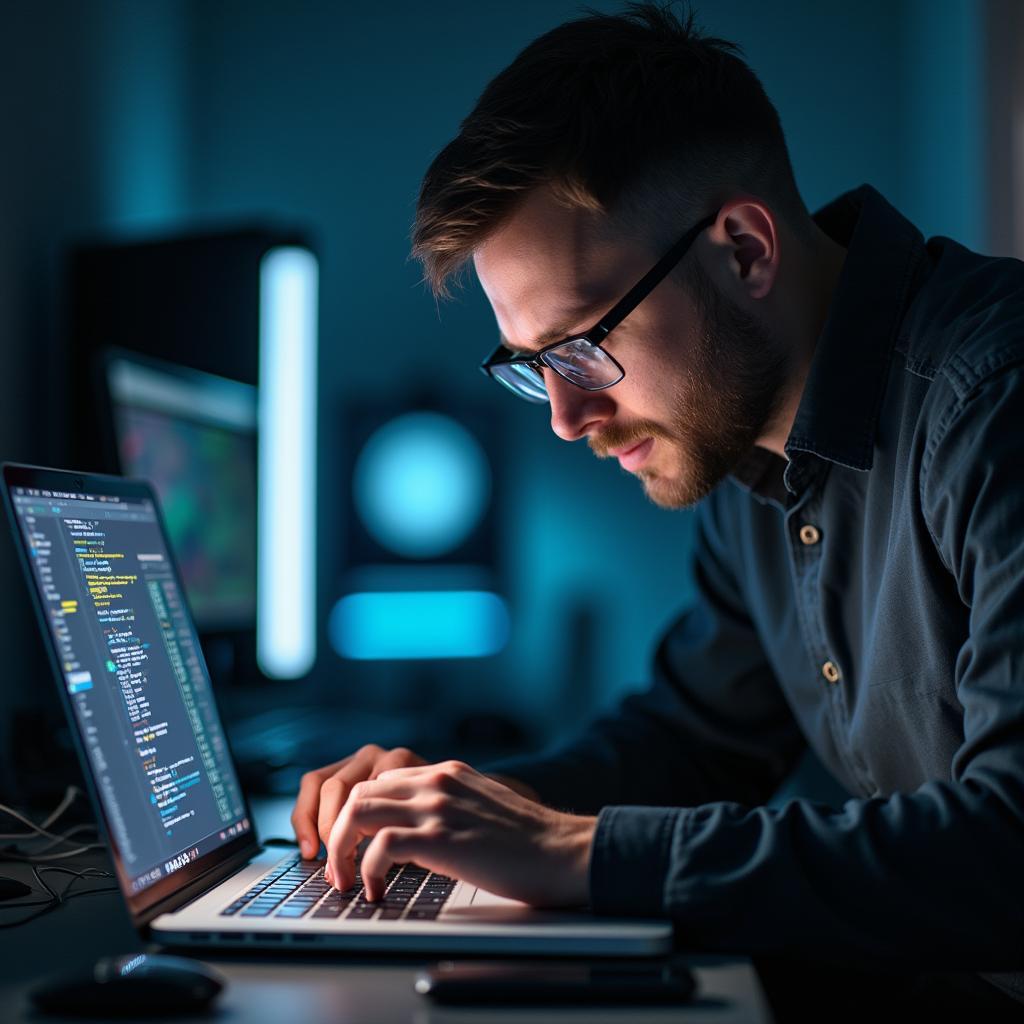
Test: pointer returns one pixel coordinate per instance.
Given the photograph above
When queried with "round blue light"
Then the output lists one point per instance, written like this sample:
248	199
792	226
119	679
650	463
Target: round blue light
421	483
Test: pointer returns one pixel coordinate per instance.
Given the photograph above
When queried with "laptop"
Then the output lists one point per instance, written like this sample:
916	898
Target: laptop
142	711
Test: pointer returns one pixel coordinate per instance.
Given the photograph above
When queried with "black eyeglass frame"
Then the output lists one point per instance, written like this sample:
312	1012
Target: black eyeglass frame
596	335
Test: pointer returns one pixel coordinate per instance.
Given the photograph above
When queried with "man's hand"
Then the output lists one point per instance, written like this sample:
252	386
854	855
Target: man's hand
323	792
453	820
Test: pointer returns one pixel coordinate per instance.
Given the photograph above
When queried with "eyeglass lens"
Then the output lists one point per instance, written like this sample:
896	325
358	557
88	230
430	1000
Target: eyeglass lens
521	380
578	361
583	363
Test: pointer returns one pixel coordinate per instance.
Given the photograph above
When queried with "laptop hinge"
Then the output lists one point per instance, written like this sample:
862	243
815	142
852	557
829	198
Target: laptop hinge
198	886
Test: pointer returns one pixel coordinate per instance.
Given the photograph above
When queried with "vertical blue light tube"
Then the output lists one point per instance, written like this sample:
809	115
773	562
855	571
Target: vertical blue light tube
286	563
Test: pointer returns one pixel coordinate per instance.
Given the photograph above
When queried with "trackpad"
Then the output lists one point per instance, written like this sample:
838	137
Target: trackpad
483	898
486	907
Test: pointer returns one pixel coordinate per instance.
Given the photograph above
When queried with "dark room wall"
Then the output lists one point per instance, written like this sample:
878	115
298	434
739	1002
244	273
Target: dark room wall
124	117
69	72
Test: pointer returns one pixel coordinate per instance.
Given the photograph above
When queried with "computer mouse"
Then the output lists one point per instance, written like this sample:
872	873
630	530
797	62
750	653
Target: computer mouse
143	985
11	888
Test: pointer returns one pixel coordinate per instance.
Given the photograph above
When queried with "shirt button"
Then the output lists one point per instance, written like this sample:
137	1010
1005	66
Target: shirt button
830	670
809	534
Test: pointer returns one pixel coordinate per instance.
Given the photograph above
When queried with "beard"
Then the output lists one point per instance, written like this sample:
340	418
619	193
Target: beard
730	392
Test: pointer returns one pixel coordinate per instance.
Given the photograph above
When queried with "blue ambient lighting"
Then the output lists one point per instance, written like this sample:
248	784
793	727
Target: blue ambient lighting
286	566
419	624
421	484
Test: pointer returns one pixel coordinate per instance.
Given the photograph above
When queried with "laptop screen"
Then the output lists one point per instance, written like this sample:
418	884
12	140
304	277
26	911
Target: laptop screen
134	675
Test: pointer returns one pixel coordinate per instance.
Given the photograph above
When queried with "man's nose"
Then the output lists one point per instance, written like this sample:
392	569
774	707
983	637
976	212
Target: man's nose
575	413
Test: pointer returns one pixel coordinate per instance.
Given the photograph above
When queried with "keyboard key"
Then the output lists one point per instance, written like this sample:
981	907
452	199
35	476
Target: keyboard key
331	912
362	912
256	912
290	910
333	909
422	913
390	913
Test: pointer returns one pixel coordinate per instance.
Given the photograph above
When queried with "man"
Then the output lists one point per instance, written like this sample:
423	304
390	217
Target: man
843	401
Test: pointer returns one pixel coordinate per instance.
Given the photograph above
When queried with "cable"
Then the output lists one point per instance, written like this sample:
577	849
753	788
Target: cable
66	801
40	831
71	793
69	796
66	836
56	897
38	872
43	832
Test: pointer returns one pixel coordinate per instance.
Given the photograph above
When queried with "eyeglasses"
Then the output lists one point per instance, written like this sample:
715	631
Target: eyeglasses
580	359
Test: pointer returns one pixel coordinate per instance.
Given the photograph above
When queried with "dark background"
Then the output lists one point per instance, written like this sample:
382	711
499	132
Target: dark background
124	118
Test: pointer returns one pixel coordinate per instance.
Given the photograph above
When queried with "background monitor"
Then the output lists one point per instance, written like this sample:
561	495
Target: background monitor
193	435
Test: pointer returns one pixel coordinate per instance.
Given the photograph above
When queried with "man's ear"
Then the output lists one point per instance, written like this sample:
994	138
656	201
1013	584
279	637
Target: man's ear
745	239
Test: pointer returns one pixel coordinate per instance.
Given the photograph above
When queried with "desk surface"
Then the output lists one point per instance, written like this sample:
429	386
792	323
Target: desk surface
328	988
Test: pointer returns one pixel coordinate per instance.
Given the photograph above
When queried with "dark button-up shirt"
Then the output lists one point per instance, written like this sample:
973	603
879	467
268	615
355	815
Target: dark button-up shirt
864	596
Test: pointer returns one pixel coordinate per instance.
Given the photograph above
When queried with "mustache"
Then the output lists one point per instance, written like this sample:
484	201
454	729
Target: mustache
620	436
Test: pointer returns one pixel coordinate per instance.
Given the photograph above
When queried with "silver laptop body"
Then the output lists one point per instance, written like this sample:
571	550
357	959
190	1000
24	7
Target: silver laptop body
138	697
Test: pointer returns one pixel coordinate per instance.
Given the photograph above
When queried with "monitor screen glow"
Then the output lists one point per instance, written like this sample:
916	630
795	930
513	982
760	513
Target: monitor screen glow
193	436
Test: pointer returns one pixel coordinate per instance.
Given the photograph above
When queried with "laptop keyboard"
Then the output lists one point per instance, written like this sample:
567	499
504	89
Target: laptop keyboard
296	888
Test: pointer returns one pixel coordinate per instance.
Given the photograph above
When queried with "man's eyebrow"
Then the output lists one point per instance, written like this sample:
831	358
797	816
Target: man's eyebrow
544	339
514	349
563	330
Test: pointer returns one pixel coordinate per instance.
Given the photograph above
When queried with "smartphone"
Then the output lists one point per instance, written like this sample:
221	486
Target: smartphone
536	982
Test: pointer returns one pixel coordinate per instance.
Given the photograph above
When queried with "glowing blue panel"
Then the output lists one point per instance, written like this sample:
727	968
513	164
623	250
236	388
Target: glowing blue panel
421	484
419	624
286	566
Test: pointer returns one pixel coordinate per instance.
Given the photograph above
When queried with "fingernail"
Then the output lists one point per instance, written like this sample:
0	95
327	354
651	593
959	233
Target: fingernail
307	848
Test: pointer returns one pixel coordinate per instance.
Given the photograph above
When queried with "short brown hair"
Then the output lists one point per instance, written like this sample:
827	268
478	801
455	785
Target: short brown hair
637	114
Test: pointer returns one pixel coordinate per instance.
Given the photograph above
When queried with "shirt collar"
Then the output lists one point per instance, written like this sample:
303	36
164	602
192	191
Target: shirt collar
837	418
